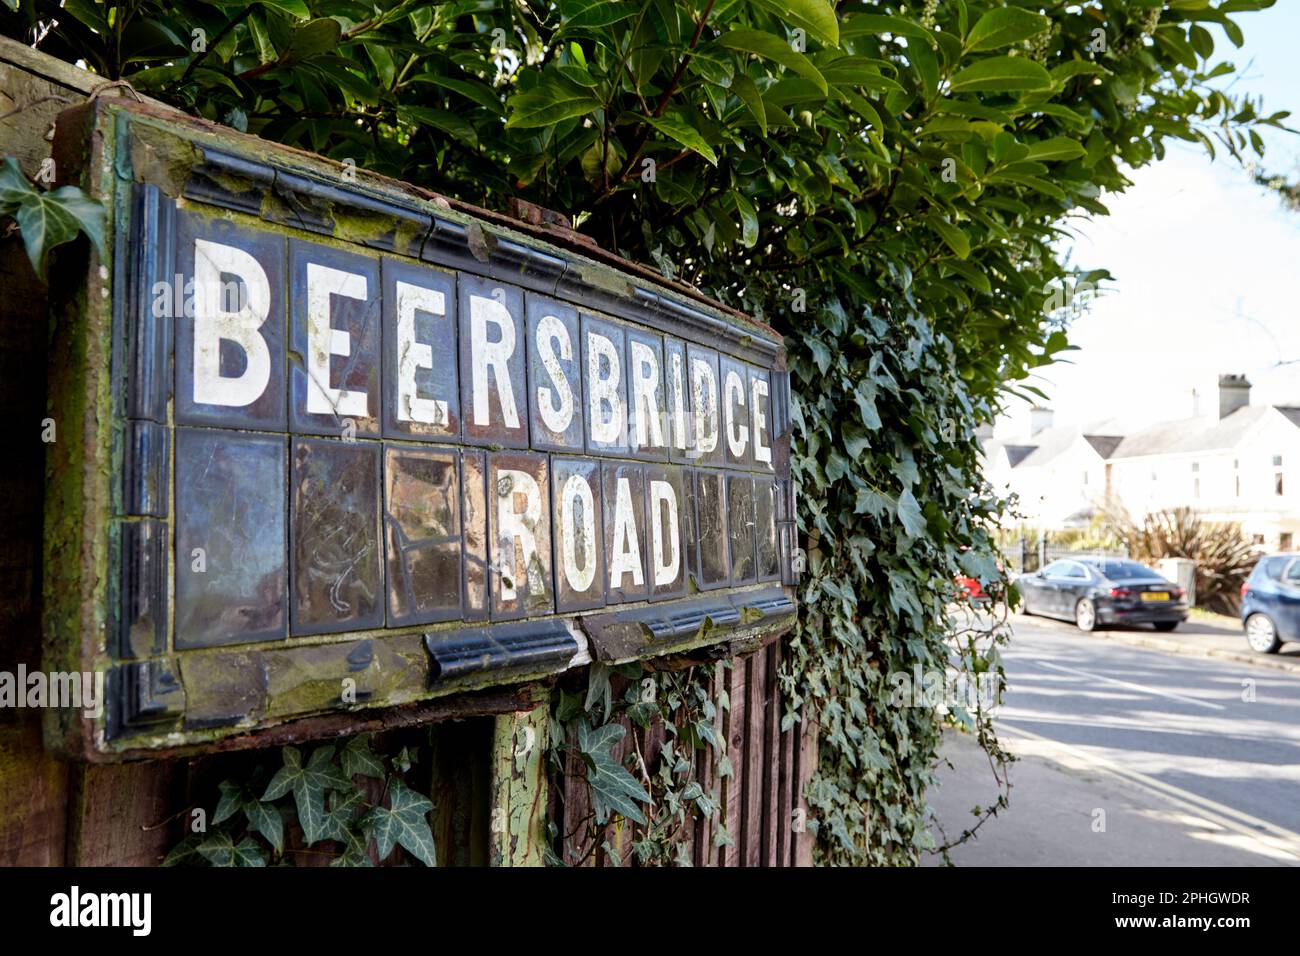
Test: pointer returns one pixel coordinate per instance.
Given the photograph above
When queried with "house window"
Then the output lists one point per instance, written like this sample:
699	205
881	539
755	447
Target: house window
1284	541
1196	488
1236	478
1085	479
1277	484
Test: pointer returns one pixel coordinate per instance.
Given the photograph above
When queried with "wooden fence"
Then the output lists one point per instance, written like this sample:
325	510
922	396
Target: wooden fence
761	808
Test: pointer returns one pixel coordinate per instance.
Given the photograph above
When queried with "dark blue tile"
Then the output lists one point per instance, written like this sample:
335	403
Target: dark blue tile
767	557
334	336
665	497
737	436
519	534
677	383
423	535
421	374
760	418
231	577
625	532
493	356
474	511
337	569
706	404
143	568
555	405
228	302
740	528
647	405
579	534
604	371
714	569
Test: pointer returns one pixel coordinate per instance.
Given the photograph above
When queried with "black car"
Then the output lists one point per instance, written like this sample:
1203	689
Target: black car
1098	591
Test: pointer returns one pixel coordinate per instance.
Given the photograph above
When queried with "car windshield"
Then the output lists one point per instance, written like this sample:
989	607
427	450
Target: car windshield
1124	569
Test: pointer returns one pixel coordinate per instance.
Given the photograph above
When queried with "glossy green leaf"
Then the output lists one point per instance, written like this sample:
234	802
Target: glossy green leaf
1003	26
773	48
550	102
1001	74
678	129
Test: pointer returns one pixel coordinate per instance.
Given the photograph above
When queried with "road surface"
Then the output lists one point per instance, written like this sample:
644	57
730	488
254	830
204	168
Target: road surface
1131	756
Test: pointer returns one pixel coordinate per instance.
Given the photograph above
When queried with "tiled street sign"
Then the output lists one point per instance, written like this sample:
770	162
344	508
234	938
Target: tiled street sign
368	452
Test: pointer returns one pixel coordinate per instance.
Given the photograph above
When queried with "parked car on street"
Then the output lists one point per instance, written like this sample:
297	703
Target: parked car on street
1093	592
1270	603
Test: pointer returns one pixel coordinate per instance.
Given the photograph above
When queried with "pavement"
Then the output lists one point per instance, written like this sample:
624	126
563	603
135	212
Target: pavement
1135	749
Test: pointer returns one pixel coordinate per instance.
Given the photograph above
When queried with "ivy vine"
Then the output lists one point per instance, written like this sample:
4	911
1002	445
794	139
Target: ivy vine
344	803
659	797
48	219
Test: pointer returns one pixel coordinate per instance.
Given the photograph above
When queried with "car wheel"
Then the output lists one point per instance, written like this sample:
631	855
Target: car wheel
1165	626
1261	634
1085	615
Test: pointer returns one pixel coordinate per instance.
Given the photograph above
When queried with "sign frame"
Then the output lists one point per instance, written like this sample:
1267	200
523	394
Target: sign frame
114	532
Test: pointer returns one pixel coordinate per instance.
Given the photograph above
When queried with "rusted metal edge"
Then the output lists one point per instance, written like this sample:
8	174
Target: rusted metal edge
317	174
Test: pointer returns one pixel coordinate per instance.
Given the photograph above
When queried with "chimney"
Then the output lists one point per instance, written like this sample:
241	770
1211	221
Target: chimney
1234	393
1039	418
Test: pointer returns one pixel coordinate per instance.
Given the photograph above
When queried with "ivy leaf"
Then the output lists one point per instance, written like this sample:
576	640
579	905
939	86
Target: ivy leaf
50	219
909	513
1004	74
308	784
403	822
613	789
358	758
231	802
218	849
184	852
1003	26
248	853
266	820
355	851
342	814
14	187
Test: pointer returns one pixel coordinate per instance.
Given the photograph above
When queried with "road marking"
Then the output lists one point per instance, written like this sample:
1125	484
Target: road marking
1140	726
1138	687
1272	835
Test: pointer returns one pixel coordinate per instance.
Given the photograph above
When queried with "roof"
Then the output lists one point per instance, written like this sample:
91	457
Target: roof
1190	435
1104	444
1047	445
1017	453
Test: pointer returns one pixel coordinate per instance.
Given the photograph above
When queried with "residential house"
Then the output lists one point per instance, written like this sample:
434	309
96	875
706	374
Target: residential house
1240	465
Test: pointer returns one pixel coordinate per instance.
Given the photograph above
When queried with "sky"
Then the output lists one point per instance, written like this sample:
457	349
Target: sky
1207	270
